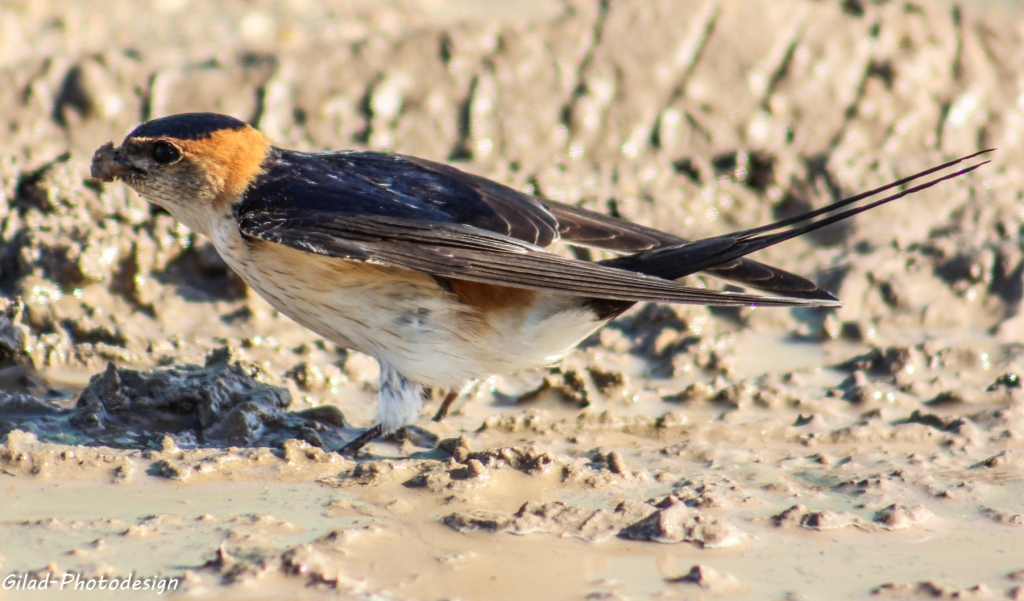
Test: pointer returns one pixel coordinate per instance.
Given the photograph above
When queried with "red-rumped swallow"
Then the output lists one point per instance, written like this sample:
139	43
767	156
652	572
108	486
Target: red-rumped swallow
441	275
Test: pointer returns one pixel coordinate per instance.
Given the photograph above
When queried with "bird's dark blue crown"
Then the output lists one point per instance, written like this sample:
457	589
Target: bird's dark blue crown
186	126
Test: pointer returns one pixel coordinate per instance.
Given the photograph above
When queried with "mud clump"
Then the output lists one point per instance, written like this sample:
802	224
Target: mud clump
557	518
1002	516
932	590
673	523
715	581
12	337
678	523
798	516
224	403
899	517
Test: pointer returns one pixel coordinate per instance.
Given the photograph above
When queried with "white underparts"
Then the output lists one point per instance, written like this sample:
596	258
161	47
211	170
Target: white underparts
422	334
399	401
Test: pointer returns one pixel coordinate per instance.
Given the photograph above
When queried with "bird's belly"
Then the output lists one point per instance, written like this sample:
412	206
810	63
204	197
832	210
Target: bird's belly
534	336
428	334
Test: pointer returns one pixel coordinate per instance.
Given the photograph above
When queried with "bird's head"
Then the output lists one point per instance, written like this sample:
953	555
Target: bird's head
195	165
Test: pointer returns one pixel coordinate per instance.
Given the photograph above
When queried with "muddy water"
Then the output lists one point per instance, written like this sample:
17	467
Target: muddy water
159	420
394	541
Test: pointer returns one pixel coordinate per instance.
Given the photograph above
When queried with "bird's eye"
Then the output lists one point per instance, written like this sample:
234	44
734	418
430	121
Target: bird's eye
165	153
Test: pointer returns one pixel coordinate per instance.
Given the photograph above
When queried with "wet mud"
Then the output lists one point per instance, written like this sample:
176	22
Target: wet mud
159	419
221	403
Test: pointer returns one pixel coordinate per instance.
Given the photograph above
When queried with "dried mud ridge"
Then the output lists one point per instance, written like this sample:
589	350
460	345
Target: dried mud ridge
757	441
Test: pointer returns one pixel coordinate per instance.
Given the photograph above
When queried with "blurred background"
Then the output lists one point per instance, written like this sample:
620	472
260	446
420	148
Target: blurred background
694	116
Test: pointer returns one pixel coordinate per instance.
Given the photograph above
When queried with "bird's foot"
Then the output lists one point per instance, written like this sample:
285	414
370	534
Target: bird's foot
361	441
415	435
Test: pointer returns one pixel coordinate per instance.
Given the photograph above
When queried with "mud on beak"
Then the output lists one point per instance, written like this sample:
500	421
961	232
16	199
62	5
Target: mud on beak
107	163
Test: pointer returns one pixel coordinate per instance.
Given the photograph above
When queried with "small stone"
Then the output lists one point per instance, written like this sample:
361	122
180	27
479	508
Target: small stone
714	581
616	463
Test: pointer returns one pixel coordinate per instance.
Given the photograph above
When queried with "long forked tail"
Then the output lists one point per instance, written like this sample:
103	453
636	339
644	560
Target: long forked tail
677	261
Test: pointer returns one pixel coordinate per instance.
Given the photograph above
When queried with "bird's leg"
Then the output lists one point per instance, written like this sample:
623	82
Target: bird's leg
446	404
361	441
399	402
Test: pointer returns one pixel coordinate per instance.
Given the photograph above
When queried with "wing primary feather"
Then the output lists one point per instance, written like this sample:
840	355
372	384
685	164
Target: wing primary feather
542	271
583	227
693	257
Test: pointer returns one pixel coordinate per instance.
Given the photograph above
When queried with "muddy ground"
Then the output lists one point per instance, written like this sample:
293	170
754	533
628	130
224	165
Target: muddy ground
160	420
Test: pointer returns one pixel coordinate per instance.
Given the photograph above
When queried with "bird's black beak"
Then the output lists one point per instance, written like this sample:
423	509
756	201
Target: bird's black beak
108	164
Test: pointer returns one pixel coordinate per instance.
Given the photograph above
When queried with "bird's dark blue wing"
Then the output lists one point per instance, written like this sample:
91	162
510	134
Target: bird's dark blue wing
387	185
371	192
431	218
